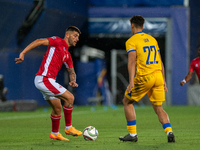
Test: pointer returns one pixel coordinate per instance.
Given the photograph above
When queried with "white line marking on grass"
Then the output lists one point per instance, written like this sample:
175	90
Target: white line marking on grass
44	115
23	117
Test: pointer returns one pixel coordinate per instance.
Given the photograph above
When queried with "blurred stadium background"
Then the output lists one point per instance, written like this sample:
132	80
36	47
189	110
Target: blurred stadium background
99	58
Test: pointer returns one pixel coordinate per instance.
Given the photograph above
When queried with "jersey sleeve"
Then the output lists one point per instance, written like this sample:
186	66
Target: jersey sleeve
53	41
69	62
192	66
130	46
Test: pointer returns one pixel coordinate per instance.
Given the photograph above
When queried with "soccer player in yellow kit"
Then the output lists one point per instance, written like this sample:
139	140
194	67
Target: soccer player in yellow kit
144	54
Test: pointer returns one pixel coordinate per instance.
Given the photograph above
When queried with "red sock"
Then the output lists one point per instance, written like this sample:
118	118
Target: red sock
68	115
55	123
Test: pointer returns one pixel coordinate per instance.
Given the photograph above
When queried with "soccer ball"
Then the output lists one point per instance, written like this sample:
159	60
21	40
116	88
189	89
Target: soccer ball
90	133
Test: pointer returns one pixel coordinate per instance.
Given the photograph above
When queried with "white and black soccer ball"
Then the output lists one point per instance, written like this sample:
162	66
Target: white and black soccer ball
90	133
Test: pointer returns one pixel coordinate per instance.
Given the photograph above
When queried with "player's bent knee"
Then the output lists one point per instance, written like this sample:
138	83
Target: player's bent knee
127	101
71	99
67	97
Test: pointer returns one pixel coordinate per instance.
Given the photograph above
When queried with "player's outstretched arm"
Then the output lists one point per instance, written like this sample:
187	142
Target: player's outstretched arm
187	78
72	76
32	45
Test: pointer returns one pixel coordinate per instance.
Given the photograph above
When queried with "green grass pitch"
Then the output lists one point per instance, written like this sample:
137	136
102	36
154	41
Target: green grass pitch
30	130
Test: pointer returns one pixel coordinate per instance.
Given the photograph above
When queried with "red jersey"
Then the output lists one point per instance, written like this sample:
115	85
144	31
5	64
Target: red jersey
195	65
57	54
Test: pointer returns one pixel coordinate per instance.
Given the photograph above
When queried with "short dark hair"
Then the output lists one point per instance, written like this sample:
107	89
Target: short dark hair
137	20
73	28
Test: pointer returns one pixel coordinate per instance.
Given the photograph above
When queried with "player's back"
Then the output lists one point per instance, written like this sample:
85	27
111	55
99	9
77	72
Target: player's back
146	47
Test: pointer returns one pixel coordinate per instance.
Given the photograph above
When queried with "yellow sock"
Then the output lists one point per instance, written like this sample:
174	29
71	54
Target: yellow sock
132	129
131	126
167	127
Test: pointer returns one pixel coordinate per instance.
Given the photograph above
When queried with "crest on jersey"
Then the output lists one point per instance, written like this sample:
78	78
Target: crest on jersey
196	65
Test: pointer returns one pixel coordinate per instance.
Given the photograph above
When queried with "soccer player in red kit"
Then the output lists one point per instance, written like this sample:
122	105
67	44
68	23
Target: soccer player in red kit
45	80
194	66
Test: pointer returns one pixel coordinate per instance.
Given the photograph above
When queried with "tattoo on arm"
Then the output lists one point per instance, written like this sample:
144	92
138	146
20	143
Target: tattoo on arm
72	74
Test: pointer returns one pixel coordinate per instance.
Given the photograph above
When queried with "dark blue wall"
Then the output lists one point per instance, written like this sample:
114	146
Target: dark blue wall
56	17
54	20
131	3
12	15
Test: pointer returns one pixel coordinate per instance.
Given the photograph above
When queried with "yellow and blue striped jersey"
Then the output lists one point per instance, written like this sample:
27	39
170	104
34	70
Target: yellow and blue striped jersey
147	50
